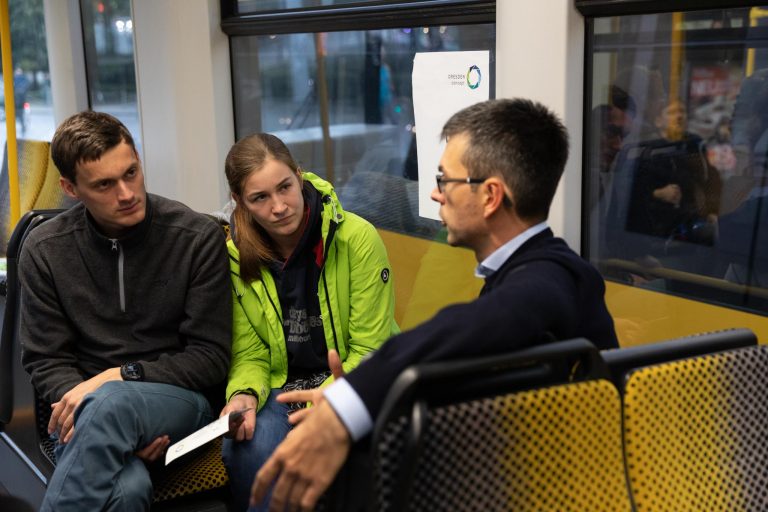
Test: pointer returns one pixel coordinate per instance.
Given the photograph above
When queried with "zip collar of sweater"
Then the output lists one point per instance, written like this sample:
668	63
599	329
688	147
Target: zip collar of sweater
132	238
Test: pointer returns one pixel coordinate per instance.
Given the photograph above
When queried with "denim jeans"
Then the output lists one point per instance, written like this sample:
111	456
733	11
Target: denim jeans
243	459
98	469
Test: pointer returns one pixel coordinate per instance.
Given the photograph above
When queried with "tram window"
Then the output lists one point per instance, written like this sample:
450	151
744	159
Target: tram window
32	89
111	74
360	81
677	152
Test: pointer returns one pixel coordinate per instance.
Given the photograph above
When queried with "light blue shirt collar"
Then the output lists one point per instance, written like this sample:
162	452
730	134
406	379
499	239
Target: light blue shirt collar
492	263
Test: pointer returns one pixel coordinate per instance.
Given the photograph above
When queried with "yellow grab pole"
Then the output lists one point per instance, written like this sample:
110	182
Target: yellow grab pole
755	14
676	57
10	113
675	72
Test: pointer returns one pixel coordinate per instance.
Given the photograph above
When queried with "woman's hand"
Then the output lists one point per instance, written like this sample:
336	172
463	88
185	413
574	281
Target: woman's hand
237	403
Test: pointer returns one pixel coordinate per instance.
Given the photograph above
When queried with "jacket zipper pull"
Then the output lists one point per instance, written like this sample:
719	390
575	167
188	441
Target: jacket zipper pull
336	216
114	243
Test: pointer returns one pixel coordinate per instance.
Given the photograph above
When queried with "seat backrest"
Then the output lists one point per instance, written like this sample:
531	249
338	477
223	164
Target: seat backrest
531	436
38	184
623	360
695	432
9	350
550	449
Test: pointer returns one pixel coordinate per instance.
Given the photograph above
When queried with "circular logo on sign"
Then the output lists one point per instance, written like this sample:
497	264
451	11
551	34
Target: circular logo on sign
473	77
385	275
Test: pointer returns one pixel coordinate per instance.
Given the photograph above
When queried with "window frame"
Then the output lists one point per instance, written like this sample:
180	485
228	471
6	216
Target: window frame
601	8
726	37
356	17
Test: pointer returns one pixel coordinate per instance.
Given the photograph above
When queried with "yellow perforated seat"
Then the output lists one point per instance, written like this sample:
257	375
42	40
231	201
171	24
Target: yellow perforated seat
696	433
38	184
552	448
203	473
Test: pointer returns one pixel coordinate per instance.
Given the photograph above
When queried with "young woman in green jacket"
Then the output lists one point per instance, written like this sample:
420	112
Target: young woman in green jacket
306	277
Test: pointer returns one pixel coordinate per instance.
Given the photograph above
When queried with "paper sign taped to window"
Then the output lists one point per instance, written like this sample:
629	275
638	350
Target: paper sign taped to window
443	84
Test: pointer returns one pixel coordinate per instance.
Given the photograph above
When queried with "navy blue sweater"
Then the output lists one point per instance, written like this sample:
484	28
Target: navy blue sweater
544	291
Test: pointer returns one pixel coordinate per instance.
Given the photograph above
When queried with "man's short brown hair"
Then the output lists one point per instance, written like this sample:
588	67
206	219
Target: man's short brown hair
520	141
85	137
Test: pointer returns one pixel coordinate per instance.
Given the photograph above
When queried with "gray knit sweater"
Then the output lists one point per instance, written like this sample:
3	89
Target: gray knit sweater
159	296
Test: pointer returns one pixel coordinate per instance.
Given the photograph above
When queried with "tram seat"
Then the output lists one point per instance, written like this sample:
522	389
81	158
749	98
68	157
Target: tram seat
9	346
38	184
200	472
539	429
622	361
696	430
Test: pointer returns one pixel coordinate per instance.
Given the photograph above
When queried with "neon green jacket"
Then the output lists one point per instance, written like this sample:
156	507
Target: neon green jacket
357	302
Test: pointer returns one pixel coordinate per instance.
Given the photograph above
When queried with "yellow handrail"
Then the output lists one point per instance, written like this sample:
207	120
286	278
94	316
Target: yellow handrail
755	13
10	113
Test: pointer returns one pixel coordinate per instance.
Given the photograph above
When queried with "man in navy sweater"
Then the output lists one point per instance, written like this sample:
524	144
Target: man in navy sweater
497	176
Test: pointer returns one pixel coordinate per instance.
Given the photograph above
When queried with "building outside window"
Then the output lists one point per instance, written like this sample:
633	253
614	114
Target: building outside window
109	63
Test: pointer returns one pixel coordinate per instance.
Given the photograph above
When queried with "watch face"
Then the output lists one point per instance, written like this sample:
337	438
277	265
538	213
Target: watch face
132	371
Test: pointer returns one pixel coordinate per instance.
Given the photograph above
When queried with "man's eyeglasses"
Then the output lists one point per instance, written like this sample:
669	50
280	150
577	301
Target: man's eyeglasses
441	180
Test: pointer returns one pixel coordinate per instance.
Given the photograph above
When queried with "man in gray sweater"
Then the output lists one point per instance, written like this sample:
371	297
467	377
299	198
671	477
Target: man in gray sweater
125	319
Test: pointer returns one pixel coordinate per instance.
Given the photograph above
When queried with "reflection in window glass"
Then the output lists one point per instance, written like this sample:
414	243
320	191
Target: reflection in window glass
360	81
108	42
31	79
677	151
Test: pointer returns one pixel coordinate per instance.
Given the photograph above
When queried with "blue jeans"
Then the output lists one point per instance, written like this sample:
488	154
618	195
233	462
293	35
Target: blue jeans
97	469
243	459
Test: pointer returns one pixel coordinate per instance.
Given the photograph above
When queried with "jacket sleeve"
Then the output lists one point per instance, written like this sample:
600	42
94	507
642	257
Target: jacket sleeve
371	296
207	324
250	369
48	338
512	316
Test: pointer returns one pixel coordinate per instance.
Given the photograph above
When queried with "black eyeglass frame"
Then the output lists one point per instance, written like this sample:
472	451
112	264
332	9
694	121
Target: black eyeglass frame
440	180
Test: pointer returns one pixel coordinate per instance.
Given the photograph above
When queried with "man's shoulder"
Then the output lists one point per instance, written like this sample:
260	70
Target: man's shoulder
547	251
176	215
60	227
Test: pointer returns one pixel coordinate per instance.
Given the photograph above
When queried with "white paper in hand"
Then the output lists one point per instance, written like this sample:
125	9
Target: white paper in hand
209	432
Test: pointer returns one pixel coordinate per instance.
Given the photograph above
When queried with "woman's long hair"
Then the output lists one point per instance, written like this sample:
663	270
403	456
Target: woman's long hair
249	155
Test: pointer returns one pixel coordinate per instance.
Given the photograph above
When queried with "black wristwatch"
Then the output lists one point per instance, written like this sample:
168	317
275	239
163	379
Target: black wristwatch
132	371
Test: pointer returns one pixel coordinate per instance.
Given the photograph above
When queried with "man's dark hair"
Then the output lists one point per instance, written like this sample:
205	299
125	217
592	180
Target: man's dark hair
518	140
620	99
85	137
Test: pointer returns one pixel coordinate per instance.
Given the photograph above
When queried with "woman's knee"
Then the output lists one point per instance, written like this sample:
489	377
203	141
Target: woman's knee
241	456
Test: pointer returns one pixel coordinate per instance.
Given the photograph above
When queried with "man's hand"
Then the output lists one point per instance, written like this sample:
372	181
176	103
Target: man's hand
315	396
63	411
237	403
305	463
154	450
